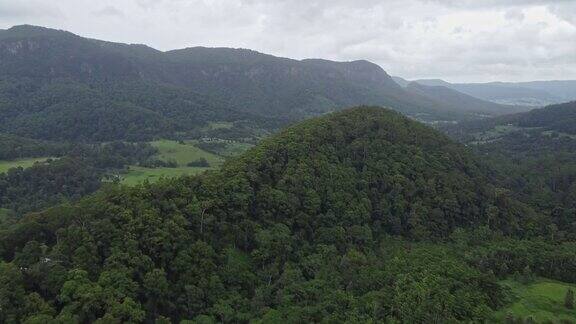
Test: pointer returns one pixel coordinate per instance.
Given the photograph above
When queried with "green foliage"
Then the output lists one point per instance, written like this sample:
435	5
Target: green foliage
46	184
184	152
172	160
569	299
136	175
12	293
201	162
79	173
358	216
555	117
20	163
227	149
541	300
14	147
534	158
59	86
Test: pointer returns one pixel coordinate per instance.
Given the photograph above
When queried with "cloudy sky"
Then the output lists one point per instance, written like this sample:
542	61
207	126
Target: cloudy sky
457	40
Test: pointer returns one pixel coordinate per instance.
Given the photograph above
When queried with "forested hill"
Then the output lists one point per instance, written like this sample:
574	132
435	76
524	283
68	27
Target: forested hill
536	154
57	85
554	119
380	160
298	229
559	118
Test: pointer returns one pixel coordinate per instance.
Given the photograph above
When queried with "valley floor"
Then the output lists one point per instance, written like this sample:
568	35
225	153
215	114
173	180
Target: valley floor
183	153
137	174
180	152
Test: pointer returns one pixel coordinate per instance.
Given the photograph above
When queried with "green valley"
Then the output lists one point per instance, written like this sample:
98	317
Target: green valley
188	159
541	300
181	153
184	152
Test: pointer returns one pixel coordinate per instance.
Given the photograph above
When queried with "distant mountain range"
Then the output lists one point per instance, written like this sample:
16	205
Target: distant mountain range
464	102
536	93
57	85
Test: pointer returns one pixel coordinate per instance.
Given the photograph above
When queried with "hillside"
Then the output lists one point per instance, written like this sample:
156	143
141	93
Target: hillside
59	86
380	152
297	229
557	119
16	147
564	89
458	100
536	93
535	154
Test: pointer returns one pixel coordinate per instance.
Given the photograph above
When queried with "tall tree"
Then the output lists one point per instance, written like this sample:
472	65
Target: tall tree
569	299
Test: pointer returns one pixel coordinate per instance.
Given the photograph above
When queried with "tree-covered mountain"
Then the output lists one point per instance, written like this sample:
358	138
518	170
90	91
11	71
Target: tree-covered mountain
554	119
534	152
361	215
559	118
15	147
57	85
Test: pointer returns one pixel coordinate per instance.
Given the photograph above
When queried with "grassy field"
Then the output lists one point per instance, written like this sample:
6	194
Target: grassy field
559	134
184	153
234	149
138	174
220	125
494	133
500	131
5	215
181	153
227	149
25	163
543	300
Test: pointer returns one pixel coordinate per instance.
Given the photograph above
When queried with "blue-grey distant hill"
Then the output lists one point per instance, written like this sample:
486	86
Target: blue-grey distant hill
536	93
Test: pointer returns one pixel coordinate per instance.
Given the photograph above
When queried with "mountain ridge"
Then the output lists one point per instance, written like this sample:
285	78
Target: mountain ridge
193	86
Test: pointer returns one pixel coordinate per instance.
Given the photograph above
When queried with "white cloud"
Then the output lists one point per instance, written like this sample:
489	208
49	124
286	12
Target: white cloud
109	11
459	40
26	9
515	15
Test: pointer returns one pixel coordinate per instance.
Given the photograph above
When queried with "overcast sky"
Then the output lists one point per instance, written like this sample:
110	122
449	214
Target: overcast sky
457	40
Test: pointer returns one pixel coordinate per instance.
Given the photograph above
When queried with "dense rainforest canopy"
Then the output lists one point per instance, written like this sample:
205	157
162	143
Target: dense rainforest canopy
361	216
534	154
81	170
